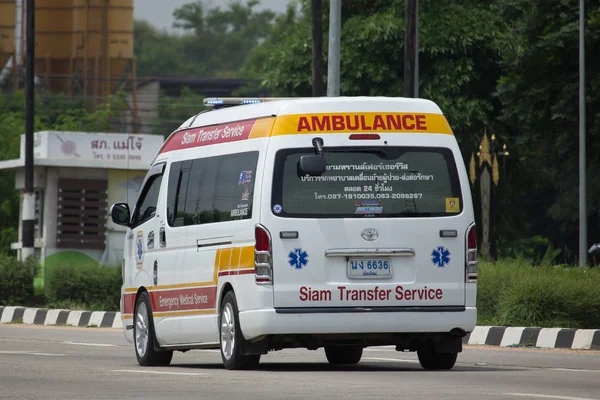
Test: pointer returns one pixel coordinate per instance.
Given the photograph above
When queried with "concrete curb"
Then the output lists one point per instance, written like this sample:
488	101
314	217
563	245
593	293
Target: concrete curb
544	338
43	316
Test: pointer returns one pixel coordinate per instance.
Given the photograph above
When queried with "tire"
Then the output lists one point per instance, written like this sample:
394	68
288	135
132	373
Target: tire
431	360
343	355
231	338
144	337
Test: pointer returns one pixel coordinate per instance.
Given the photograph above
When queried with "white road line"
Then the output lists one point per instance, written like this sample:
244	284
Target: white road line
141	371
574	370
392	349
391	359
91	344
545	396
30	353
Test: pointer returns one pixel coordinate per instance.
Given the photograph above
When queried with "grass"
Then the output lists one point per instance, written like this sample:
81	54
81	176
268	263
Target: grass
515	293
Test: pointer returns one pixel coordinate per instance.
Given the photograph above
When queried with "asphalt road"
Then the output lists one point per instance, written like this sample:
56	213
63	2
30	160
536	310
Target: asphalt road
92	363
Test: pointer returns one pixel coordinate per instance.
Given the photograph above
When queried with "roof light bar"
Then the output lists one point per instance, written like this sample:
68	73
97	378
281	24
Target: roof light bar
217	102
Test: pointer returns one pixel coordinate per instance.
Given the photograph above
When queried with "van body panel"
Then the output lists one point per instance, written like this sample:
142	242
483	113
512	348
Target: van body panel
323	281
345	258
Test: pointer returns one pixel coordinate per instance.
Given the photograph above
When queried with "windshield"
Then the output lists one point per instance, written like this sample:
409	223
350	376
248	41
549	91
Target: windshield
373	182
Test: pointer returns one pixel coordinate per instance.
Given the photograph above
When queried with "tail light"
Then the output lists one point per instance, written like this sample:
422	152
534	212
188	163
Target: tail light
263	256
471	264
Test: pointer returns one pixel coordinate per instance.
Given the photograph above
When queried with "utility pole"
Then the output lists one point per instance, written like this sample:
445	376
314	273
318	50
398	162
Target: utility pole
28	192
582	181
317	48
333	61
411	73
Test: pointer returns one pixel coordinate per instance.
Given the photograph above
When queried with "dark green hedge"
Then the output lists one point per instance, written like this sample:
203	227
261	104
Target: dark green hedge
90	287
513	293
16	281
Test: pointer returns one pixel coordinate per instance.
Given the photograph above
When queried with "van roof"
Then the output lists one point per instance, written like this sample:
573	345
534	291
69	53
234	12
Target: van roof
321	115
313	105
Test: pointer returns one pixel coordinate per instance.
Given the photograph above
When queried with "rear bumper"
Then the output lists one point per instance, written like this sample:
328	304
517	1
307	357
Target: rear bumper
257	323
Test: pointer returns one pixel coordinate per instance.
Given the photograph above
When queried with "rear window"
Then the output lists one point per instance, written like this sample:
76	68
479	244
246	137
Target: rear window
373	182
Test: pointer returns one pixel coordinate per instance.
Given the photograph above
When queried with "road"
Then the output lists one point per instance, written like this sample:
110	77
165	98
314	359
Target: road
93	363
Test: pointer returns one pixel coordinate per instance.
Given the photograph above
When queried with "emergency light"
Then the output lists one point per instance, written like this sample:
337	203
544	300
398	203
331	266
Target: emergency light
219	102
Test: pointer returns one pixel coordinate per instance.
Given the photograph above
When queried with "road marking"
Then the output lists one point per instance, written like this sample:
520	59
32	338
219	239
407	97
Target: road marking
91	344
386	349
391	359
546	396
574	370
140	371
30	353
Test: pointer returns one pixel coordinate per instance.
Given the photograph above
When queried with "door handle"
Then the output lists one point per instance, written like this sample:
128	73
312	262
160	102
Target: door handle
150	244
162	236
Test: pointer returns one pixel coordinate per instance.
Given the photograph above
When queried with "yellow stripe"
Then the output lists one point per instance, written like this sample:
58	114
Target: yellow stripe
180	313
225	259
413	122
262	128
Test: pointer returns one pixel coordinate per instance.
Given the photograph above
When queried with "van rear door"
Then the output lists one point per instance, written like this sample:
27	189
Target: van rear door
384	226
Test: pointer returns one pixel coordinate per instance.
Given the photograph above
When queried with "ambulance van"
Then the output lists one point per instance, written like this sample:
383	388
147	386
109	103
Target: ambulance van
337	223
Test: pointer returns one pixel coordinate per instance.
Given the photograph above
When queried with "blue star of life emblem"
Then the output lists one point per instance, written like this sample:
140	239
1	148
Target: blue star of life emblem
140	249
298	258
440	257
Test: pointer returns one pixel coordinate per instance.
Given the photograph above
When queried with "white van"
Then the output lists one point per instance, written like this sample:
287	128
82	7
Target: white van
340	223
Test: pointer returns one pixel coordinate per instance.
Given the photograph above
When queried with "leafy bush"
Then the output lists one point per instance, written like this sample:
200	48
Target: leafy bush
513	293
16	281
89	287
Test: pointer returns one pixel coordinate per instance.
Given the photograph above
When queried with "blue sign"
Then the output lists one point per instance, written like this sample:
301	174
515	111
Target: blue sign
298	258
440	257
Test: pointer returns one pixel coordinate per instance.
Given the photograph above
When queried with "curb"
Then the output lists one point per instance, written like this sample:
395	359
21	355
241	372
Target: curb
43	316
542	338
502	336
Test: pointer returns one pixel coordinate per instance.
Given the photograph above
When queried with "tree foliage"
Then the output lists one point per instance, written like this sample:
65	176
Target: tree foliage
509	66
215	41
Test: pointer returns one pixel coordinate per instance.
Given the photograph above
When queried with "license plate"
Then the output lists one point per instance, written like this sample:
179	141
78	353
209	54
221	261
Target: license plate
365	268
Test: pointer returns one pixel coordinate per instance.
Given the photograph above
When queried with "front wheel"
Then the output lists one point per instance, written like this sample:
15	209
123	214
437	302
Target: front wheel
144	337
343	355
232	340
430	359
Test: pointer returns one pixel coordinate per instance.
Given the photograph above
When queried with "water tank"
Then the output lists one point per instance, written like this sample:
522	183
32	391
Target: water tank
7	30
89	40
103	31
54	42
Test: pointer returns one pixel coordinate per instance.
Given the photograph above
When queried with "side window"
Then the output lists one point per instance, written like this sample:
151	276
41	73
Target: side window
176	192
146	205
235	187
200	192
215	189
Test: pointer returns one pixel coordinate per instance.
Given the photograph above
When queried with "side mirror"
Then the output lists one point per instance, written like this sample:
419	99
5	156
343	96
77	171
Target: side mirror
313	165
119	212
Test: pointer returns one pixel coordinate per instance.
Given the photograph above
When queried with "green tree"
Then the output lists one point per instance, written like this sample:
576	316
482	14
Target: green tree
215	42
540	106
510	66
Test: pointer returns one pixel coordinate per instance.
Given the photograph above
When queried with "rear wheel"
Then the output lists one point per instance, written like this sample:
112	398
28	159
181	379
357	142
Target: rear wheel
343	355
144	337
232	340
430	359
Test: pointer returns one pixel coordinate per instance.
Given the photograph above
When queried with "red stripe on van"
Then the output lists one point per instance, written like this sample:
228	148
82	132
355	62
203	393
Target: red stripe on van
207	135
236	272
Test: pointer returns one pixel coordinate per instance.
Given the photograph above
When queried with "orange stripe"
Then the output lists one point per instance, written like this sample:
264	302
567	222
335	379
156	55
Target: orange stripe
180	313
